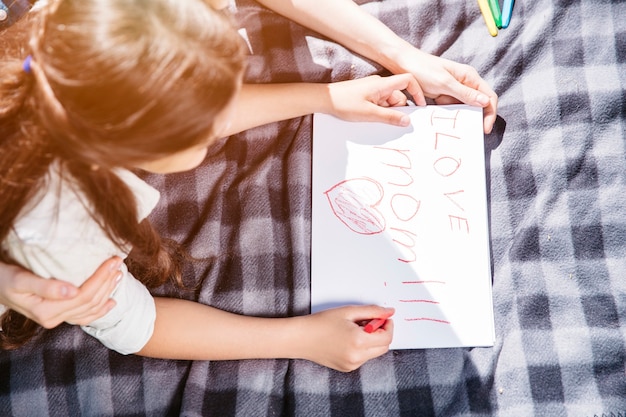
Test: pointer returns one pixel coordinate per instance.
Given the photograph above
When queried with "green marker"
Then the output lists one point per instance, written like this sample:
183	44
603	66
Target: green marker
495	11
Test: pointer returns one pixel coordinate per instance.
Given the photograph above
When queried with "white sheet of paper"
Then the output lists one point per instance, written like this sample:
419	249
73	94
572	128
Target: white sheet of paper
400	219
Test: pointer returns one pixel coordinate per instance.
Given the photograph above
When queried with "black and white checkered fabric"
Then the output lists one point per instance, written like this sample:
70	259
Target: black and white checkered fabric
557	198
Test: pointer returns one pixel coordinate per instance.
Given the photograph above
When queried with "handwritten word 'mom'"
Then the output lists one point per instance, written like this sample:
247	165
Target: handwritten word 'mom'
357	202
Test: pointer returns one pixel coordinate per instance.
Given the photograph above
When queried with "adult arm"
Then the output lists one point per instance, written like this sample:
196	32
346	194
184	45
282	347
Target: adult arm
443	80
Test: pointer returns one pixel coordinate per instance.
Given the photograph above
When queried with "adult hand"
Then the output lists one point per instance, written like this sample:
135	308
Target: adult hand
50	302
448	82
440	79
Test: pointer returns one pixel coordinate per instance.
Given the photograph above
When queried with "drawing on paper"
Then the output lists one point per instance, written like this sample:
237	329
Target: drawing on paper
399	219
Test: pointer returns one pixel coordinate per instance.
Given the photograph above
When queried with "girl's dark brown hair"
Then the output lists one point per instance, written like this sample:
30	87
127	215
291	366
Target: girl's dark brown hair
113	83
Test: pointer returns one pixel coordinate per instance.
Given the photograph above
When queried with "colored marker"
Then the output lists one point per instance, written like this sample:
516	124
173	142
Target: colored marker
374	324
507	9
495	11
488	16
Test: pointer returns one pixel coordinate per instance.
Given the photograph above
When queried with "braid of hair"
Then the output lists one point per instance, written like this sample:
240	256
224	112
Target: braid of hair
152	259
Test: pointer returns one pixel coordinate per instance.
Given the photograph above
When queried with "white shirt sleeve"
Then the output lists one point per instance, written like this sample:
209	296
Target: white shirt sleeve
130	324
57	237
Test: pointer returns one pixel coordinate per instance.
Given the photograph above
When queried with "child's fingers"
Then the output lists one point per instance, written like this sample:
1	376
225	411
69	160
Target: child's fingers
390	116
368	312
409	83
380	340
395	99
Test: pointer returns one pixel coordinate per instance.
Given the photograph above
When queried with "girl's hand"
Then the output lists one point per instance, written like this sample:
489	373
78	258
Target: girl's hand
50	302
369	98
334	338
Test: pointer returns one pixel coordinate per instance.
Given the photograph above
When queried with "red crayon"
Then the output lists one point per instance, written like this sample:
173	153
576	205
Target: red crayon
374	324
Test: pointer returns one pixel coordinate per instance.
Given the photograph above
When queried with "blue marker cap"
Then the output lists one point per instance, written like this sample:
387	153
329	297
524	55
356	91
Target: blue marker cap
507	9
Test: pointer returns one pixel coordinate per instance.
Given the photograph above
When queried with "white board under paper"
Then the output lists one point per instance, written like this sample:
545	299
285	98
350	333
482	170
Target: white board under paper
400	219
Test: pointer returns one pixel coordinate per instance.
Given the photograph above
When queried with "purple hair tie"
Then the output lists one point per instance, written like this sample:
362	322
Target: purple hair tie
26	64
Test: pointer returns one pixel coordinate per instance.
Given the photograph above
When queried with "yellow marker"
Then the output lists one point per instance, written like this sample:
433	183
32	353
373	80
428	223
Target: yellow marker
488	16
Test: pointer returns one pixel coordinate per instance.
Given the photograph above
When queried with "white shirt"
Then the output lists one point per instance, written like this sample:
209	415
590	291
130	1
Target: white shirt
55	236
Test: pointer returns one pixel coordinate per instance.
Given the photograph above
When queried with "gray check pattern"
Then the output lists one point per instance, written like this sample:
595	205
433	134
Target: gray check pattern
556	166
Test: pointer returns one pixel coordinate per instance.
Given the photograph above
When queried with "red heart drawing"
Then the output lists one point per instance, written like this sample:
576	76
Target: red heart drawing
354	202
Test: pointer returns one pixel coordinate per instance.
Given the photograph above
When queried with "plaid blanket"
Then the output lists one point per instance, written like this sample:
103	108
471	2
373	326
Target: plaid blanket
556	166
